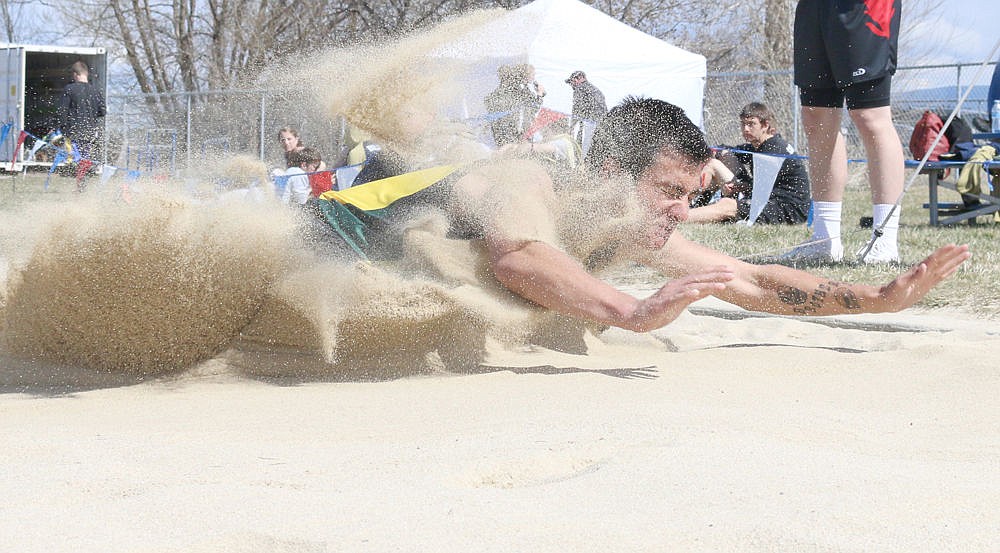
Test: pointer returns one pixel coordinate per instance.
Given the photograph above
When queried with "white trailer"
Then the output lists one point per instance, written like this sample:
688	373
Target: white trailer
32	79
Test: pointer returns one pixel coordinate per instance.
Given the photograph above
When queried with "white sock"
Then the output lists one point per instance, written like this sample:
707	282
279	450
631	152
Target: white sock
890	231
826	220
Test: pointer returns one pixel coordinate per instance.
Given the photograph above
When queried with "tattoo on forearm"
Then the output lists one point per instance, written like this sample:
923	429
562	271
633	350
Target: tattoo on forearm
792	296
807	304
846	298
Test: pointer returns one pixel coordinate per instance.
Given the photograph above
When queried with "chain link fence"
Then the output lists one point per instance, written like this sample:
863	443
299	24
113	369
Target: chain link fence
915	89
170	133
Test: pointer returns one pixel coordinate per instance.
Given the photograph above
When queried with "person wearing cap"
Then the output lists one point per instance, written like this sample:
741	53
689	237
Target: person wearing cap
589	108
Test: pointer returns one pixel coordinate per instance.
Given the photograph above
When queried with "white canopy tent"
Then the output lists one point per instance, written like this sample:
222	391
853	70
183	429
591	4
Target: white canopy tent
560	36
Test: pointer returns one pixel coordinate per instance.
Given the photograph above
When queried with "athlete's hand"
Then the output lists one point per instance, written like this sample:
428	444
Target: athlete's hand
673	298
911	286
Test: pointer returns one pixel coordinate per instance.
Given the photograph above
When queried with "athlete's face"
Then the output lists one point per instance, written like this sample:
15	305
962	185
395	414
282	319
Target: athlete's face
663	189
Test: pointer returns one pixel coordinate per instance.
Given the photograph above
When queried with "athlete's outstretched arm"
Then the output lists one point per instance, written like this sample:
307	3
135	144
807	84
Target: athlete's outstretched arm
784	290
551	278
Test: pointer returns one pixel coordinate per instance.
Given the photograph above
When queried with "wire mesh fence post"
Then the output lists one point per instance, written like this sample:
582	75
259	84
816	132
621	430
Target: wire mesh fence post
187	133
260	132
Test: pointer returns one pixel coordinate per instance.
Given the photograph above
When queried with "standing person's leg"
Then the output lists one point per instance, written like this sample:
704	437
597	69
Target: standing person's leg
868	106
885	176
84	145
884	150
828	178
587	135
827	152
822	113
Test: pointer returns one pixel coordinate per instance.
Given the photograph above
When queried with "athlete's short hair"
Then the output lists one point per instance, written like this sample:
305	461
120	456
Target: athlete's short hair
638	129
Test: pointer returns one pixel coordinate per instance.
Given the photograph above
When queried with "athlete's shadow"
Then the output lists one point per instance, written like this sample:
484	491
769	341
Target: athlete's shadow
46	379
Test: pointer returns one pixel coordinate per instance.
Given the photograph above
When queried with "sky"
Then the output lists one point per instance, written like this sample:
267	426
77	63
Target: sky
965	32
959	31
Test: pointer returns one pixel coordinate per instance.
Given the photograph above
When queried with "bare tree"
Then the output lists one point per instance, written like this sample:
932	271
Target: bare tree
181	52
919	12
8	21
777	57
720	31
198	45
778	34
26	20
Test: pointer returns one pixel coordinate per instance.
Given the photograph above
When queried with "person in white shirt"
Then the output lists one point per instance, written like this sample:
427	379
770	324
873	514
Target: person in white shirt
302	162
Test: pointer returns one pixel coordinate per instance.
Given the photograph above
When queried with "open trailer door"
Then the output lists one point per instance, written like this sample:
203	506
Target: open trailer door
11	97
32	79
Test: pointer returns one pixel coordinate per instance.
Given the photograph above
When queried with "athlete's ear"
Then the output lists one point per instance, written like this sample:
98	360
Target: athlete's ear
610	168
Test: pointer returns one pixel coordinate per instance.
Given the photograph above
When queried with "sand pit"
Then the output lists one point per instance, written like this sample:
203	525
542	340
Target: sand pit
719	433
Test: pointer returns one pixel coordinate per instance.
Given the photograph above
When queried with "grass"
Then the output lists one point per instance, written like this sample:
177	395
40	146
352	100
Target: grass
974	290
19	189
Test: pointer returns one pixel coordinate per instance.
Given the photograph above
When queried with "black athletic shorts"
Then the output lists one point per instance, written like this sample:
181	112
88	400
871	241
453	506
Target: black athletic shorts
869	94
844	43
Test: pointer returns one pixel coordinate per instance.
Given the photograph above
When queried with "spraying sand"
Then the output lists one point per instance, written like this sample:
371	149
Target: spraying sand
167	282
